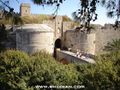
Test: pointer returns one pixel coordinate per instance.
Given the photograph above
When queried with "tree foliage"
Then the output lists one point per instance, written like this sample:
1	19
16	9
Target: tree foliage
47	71
3	35
7	12
20	71
87	10
11	66
113	46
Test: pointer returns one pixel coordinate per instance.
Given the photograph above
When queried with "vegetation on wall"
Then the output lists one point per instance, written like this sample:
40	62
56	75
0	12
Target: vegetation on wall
11	20
113	46
20	71
87	9
85	13
38	19
66	18
34	19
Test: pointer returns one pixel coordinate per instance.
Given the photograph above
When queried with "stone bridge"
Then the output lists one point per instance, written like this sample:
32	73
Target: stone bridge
72	58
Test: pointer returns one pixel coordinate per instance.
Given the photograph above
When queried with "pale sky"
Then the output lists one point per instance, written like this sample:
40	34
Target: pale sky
66	8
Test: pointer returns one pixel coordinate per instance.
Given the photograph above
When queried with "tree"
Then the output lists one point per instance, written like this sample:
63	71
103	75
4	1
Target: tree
3	35
113	46
19	71
3	9
7	14
87	11
12	64
46	71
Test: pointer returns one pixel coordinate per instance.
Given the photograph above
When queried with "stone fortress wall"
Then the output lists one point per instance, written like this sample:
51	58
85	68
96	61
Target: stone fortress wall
77	40
59	26
104	35
31	39
92	43
23	43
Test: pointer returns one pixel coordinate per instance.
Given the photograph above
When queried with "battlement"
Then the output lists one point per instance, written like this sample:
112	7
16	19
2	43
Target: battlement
25	5
110	27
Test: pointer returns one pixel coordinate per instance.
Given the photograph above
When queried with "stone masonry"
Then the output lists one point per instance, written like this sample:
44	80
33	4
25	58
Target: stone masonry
25	9
92	43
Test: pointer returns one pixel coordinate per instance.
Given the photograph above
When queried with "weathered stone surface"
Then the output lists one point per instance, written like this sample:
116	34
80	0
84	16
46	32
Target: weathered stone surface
93	42
25	9
72	58
35	37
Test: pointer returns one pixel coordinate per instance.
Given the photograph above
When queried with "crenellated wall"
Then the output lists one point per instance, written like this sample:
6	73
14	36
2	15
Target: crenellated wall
25	9
35	37
59	26
80	40
104	35
93	42
68	25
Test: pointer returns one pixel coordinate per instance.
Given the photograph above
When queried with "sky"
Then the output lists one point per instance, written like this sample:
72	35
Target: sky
66	8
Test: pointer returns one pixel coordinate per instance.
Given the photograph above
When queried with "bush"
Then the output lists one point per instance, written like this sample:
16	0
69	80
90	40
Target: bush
46	71
34	19
11	64
19	71
102	76
113	46
3	37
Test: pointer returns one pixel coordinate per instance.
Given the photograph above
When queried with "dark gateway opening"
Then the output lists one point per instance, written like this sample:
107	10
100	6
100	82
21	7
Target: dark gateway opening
57	44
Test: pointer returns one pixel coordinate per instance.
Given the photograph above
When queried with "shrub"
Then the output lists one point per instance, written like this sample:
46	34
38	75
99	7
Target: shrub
102	76
3	37
46	71
34	19
11	64
113	46
19	71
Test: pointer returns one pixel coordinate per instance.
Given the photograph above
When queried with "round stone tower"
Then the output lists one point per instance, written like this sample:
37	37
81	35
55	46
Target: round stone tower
35	37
